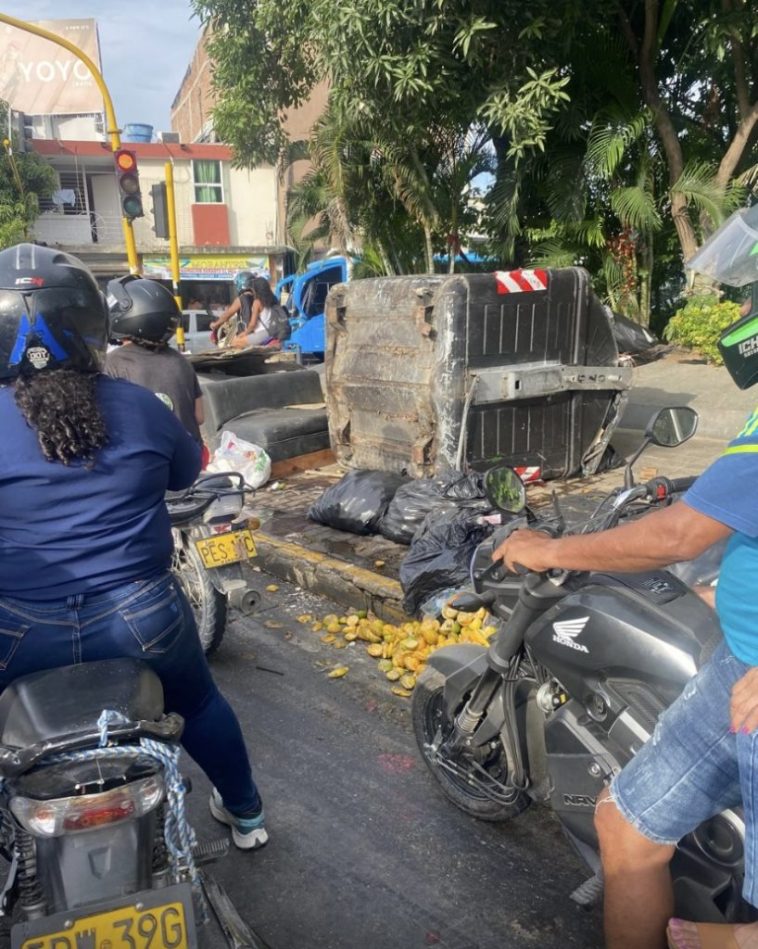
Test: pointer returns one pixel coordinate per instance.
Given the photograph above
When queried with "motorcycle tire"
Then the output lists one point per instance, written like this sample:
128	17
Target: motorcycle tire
428	713
209	605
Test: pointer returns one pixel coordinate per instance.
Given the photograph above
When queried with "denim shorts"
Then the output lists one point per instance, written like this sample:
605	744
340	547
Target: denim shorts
694	767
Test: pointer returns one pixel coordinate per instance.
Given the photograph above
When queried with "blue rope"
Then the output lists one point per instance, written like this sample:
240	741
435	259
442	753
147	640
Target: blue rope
179	835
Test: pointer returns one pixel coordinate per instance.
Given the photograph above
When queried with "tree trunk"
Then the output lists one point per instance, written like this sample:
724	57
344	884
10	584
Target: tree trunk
428	249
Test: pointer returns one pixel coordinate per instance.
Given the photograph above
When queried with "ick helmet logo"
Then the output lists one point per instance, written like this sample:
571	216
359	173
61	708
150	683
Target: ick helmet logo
566	631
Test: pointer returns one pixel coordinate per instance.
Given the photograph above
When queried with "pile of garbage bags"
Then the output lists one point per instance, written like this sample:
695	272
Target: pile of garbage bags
441	519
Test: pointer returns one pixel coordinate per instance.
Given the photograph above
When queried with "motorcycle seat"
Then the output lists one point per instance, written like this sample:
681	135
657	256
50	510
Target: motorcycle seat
57	703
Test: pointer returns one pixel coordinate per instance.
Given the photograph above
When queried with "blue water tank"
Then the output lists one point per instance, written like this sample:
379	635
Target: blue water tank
137	132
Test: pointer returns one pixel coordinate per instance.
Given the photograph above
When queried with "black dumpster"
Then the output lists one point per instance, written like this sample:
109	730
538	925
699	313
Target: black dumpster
424	373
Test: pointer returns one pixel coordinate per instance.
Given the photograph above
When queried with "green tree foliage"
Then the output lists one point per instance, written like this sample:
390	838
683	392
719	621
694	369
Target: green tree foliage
612	126
700	322
24	179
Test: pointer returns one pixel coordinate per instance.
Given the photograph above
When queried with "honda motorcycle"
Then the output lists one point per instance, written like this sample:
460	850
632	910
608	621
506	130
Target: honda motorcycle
212	539
571	687
92	825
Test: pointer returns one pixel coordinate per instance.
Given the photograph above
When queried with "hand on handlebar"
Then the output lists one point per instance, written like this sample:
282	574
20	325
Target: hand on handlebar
526	548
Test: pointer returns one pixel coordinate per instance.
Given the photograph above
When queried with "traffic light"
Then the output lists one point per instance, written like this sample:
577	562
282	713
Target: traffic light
160	209
22	131
128	183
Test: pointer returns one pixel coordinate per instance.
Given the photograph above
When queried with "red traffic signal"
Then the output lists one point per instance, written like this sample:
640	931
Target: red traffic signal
128	183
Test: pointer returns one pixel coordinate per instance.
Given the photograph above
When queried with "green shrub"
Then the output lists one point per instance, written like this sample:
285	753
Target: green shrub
699	324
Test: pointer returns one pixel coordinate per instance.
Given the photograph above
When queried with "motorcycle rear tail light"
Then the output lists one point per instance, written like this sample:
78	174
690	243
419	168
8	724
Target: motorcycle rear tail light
70	815
224	509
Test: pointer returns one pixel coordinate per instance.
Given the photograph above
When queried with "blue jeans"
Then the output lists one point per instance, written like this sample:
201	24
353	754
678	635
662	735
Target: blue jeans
694	767
149	620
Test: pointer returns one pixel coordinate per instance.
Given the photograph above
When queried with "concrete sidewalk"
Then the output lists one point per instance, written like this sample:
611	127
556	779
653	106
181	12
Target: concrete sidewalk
362	572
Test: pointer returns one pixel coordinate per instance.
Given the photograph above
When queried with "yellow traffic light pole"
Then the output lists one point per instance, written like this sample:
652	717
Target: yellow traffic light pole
113	132
173	245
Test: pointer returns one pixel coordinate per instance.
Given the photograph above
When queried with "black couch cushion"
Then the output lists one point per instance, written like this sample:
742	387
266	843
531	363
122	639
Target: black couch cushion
255	408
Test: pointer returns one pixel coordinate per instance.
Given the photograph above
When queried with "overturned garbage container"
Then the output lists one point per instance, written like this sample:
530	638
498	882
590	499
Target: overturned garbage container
426	373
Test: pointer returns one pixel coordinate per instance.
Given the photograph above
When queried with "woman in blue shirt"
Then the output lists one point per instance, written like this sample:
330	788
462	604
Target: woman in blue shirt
85	537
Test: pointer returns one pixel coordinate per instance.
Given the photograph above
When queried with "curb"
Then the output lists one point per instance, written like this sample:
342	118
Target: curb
352	586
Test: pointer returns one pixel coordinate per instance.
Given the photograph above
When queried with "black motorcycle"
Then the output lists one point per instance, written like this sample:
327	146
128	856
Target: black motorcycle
571	688
92	825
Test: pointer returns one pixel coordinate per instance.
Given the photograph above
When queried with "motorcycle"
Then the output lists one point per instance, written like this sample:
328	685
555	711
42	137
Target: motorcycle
92	821
571	687
212	539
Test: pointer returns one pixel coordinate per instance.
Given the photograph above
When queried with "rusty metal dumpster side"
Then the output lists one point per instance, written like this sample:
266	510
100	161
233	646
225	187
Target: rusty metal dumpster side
379	363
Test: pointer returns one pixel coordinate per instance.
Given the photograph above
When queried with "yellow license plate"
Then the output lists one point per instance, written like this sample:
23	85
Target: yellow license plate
226	548
162	927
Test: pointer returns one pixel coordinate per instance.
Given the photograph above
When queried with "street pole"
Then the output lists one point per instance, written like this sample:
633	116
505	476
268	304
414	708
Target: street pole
113	131
173	246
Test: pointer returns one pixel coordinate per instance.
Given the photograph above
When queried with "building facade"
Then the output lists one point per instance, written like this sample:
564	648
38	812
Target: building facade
226	217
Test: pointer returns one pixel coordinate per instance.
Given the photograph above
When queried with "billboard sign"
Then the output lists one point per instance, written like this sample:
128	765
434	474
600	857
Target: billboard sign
39	77
211	267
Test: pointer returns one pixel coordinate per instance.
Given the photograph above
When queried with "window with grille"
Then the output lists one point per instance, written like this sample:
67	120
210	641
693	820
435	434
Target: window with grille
207	178
68	197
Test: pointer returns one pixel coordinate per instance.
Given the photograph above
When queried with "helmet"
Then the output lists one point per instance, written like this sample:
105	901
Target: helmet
142	309
730	255
52	314
244	280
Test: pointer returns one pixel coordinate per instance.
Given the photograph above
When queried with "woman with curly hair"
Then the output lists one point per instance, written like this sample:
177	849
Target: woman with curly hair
85	537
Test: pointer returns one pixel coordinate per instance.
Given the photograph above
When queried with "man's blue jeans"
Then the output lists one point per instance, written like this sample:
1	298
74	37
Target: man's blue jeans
149	620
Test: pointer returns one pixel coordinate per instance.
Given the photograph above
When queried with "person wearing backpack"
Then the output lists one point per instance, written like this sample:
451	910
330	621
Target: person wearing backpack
238	310
268	322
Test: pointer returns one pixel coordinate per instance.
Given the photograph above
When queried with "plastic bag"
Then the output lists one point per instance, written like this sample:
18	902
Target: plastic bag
358	502
417	499
235	454
440	556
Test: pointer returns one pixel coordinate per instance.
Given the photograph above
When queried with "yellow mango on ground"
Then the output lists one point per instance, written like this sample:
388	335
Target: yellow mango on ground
374	650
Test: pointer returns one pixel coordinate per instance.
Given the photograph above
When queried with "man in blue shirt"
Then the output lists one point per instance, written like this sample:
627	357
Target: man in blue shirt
704	756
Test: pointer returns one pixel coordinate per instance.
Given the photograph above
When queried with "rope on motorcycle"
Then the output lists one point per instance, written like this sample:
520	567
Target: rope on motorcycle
180	837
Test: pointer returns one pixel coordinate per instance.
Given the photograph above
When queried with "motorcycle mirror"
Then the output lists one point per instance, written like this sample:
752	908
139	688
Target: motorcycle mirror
504	489
668	428
672	426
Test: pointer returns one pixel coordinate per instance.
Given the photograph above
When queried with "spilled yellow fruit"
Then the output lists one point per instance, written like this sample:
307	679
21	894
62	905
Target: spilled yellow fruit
272	588
403	647
338	672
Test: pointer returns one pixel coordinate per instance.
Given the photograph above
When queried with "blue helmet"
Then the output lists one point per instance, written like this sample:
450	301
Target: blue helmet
244	280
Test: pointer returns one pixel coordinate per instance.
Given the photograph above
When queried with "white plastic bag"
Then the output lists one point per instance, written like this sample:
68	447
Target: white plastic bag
235	454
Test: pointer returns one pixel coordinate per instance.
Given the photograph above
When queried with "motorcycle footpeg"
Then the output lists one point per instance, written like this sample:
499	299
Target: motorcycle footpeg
210	850
589	893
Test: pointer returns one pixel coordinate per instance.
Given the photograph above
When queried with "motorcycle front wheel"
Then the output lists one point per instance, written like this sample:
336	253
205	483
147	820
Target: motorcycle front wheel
460	780
208	604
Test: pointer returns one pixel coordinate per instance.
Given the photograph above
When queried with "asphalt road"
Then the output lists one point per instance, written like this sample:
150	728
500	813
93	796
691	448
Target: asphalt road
364	850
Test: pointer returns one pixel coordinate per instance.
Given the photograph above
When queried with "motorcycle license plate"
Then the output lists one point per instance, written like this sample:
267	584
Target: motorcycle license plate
222	549
155	919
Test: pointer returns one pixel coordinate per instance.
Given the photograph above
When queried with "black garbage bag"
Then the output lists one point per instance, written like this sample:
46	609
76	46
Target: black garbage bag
357	502
413	501
417	499
465	487
440	556
631	337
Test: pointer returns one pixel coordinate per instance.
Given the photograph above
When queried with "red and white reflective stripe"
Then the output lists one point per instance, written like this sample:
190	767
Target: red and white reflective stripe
529	474
520	281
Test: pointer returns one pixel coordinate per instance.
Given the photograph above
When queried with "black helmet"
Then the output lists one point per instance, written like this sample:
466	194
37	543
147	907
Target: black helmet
142	309
52	314
244	280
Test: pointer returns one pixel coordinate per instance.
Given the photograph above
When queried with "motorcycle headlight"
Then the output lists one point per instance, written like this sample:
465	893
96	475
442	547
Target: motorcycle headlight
70	815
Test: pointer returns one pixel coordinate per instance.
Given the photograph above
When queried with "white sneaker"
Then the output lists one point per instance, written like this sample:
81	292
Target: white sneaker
248	833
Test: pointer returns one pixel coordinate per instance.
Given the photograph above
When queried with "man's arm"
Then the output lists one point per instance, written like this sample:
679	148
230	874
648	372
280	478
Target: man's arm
199	411
669	535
